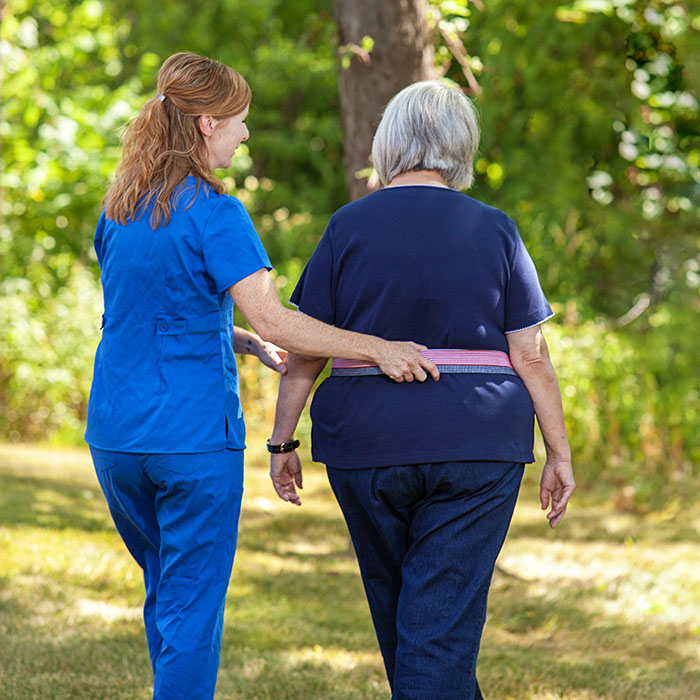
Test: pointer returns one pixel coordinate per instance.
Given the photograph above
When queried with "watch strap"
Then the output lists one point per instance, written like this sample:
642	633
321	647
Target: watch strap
289	446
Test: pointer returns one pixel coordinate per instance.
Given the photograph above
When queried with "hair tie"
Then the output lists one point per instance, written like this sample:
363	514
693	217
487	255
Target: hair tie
160	97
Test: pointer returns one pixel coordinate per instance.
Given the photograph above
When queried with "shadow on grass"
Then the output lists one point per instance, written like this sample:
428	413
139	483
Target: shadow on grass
563	639
51	503
290	676
264	531
543	636
298	627
48	654
104	667
602	525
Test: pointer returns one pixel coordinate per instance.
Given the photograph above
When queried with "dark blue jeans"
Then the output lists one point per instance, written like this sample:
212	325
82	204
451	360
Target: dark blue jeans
427	537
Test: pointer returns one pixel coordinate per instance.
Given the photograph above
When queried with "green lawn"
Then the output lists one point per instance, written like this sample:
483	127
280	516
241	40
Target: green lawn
606	607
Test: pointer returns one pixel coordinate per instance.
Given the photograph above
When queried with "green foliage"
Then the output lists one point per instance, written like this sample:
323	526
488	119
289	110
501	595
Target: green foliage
632	421
591	141
75	72
46	352
346	52
600	181
63	105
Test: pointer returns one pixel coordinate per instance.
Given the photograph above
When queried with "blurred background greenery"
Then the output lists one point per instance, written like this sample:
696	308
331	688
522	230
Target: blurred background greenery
591	142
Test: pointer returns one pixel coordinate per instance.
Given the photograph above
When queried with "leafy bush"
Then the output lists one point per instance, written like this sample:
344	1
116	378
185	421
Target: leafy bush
46	353
631	415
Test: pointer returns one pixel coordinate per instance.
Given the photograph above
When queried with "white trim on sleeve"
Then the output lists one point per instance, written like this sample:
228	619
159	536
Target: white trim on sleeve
532	325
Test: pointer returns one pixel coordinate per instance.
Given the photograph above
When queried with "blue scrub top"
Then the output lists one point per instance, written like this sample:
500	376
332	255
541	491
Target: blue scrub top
435	266
165	378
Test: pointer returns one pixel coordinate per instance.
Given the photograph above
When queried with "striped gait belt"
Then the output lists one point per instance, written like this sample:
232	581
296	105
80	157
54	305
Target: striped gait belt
448	361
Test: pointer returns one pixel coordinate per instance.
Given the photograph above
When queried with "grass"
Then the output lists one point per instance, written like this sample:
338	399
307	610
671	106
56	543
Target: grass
606	607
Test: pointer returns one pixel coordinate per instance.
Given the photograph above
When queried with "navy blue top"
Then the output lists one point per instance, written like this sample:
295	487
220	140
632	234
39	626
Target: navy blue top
435	266
165	375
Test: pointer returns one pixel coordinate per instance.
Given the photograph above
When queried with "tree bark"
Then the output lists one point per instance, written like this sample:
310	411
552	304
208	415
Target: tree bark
402	53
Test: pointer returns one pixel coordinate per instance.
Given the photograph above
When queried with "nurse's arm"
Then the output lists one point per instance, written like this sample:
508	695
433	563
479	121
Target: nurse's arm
247	343
530	358
295	387
256	297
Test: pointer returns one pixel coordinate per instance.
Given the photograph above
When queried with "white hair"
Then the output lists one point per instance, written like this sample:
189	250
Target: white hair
427	126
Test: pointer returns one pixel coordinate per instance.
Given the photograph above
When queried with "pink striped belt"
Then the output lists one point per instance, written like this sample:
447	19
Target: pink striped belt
448	360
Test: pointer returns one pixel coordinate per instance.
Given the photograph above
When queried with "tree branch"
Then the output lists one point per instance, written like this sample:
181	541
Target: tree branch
458	50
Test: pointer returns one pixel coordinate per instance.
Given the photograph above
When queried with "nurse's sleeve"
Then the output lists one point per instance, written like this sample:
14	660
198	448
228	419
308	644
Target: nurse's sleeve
231	246
98	238
526	304
314	294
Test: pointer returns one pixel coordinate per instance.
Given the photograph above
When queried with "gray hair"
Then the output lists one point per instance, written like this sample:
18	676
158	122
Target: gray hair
427	126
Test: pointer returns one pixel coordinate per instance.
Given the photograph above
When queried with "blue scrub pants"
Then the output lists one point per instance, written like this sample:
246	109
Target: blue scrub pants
178	516
427	537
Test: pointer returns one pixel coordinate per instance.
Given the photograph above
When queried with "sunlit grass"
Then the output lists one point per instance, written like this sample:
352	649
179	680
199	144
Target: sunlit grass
606	607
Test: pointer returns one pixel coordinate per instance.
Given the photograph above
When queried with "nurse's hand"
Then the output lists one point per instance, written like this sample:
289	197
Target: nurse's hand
285	472
402	361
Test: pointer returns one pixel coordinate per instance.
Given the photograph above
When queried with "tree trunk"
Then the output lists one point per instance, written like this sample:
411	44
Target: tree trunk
402	53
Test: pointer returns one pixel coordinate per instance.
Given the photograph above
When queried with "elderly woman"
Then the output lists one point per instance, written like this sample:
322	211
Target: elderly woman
427	475
165	426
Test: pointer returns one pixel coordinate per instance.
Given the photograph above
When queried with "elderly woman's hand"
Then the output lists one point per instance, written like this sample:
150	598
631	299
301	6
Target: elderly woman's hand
272	356
402	361
252	344
285	472
558	484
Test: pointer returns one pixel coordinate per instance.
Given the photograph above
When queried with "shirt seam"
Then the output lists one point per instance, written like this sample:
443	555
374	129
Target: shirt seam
206	223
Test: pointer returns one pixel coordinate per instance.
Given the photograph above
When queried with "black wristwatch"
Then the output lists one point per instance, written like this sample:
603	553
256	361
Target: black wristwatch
284	447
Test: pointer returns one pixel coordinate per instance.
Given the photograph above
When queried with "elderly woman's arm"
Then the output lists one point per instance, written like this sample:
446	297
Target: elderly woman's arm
530	359
295	387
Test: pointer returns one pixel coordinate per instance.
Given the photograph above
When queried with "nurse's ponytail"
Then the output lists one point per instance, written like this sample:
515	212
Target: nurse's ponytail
162	145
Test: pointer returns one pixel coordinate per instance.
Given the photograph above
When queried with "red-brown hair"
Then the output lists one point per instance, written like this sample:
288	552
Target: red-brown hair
162	145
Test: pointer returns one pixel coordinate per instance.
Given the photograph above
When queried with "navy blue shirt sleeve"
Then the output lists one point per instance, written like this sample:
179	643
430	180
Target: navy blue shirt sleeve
526	304
231	246
314	294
